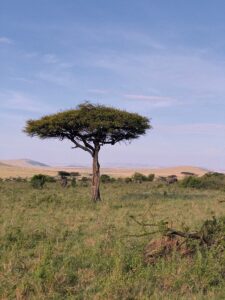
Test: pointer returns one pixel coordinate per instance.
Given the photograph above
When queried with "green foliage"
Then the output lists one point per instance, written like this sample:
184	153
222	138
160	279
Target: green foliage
188	173
207	181
150	177
38	181
191	182
213	232
90	123
50	179
106	178
85	179
214	175
73	182
63	174
74	174
19	179
138	177
128	179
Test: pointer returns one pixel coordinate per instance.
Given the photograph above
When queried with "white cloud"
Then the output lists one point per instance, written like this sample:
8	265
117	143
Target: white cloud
16	100
158	101
98	91
50	59
55	60
194	128
31	55
60	78
5	40
23	79
190	75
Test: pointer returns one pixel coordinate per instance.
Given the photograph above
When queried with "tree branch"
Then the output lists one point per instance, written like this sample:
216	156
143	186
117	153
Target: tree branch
86	143
146	224
78	145
191	235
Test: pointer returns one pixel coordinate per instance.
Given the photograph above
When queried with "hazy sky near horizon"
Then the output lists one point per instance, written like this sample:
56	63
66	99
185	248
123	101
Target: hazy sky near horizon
163	59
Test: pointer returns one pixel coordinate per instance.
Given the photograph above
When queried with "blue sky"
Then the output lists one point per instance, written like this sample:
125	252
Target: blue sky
163	59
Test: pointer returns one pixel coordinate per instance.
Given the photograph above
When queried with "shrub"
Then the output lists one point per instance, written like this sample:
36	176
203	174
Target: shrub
105	178
18	179
138	177
192	182
63	174
50	178
120	179
150	177
188	173
213	180
207	181
75	174
85	179
214	175
73	182
128	179
38	181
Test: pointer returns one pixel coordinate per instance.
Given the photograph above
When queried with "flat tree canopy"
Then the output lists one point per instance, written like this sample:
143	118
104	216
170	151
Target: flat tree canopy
89	127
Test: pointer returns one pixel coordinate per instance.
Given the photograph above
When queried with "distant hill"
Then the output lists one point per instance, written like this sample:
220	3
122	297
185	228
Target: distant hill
77	166
27	163
3	165
28	167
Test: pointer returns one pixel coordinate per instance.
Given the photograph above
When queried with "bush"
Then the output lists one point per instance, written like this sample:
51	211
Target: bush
188	173
73	182
127	179
75	174
120	180
63	174
38	181
192	182
207	181
138	177
50	178
105	178
18	179
213	180
214	175
151	177
85	179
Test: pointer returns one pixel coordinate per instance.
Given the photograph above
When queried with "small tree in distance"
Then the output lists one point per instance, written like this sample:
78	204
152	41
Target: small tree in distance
89	127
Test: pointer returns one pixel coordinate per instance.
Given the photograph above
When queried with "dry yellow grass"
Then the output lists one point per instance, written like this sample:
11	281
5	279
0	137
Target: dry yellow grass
15	171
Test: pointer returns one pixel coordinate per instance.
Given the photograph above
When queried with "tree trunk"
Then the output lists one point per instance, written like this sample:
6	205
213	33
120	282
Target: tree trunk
96	178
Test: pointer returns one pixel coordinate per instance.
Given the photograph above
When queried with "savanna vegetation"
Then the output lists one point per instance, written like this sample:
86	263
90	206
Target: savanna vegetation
56	244
90	127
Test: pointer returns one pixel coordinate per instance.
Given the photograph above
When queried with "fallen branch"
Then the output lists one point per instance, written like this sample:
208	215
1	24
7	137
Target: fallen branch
191	235
147	224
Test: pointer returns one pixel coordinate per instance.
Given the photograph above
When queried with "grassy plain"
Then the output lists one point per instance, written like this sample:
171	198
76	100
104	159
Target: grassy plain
56	244
24	170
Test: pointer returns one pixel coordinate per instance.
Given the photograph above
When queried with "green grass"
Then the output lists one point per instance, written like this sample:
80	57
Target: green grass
56	244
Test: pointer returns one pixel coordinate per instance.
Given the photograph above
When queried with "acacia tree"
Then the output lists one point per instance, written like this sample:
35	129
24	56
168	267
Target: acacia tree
89	127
